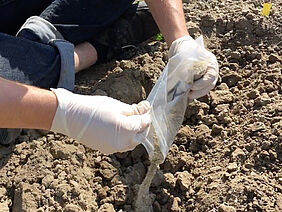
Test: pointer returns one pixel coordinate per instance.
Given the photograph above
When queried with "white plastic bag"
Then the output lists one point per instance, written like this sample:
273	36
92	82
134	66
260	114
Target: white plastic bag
168	97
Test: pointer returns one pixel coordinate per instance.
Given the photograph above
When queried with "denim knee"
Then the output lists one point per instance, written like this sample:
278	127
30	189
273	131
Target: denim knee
40	30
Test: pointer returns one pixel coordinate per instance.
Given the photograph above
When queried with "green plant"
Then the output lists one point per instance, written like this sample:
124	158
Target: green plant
159	37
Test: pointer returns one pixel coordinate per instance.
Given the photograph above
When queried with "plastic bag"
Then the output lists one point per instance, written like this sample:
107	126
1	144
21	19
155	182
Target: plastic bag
168	97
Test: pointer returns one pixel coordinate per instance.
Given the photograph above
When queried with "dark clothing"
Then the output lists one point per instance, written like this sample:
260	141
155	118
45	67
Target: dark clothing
38	63
13	13
81	20
77	20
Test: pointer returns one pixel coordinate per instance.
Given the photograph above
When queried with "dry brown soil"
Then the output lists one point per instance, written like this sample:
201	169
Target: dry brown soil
227	156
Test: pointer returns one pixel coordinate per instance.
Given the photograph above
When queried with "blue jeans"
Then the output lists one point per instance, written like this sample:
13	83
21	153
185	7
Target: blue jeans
28	59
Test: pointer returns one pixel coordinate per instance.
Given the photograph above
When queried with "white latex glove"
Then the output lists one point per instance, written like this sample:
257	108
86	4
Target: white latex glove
202	86
100	122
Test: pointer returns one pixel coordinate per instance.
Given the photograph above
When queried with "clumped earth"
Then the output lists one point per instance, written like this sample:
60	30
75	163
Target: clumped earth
227	156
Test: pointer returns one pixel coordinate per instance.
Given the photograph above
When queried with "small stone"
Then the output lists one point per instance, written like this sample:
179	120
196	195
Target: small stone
280	145
232	167
196	107
231	79
212	185
184	180
62	175
126	64
225	208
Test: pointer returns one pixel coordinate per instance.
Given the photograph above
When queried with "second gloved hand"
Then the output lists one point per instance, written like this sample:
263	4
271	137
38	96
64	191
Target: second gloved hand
202	86
100	122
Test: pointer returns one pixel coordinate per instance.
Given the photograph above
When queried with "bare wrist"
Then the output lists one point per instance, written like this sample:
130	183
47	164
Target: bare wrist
39	108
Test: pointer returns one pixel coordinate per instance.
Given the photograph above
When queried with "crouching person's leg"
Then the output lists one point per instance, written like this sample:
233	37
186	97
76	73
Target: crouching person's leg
102	30
38	56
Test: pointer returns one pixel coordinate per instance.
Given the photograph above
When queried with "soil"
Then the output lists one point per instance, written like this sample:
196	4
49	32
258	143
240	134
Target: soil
227	156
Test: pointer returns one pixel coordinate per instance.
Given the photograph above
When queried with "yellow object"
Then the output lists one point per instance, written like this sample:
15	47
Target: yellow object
266	9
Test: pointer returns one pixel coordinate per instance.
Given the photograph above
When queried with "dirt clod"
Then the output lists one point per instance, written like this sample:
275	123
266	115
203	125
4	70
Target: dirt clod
184	180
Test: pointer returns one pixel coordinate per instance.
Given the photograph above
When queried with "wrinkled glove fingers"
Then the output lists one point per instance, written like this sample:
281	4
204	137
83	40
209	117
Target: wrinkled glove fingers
135	123
136	109
195	94
143	107
209	78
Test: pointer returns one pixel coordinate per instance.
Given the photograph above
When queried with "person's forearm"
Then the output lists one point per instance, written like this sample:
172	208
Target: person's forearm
169	16
23	106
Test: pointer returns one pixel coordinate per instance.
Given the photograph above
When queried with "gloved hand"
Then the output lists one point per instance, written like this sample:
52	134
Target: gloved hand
202	86
100	122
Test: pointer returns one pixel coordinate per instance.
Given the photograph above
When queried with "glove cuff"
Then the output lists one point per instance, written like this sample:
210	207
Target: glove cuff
59	123
174	48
